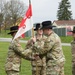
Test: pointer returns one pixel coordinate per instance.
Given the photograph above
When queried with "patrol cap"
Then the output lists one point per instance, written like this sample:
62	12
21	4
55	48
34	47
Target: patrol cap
13	29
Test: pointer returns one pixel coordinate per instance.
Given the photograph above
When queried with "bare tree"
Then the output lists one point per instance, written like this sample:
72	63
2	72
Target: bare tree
1	13
2	2
13	10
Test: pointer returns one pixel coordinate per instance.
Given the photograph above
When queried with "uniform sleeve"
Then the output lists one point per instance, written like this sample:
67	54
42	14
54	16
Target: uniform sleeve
26	54
29	44
48	44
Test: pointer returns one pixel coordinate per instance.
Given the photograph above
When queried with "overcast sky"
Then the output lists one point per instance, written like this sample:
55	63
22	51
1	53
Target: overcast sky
47	9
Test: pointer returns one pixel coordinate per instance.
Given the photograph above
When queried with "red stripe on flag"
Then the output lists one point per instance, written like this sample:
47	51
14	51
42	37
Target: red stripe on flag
29	12
22	26
27	15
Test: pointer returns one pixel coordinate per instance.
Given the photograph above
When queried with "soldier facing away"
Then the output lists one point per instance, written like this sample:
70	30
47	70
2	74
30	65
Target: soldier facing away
39	64
73	51
52	49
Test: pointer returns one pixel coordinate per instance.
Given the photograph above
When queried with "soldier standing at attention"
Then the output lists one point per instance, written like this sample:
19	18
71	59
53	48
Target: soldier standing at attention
15	52
52	49
38	65
73	51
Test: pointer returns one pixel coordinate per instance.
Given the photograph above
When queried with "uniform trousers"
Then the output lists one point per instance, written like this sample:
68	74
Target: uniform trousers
40	70
12	72
55	69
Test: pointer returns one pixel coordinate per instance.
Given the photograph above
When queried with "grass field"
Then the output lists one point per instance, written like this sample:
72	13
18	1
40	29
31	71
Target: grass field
25	66
64	39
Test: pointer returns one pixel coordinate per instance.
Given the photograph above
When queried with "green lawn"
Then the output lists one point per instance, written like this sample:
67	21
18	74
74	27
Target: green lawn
5	34
26	67
64	39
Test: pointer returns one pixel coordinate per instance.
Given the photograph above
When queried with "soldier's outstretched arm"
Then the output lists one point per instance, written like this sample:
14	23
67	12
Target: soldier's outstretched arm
26	54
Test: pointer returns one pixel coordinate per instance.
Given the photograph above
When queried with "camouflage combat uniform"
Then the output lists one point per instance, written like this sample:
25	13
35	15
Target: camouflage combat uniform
54	55
73	57
38	66
13	62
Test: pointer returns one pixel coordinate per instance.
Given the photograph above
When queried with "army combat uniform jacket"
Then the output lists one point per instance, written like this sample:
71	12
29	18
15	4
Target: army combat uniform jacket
73	56
15	53
54	54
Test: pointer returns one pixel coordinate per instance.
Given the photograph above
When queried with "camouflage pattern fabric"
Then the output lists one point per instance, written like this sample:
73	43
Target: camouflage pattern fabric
53	49
73	57
13	59
40	64
15	53
54	68
12	73
41	70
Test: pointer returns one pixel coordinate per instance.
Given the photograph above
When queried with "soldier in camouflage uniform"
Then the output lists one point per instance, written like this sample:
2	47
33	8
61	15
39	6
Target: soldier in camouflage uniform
73	51
39	64
52	49
15	52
